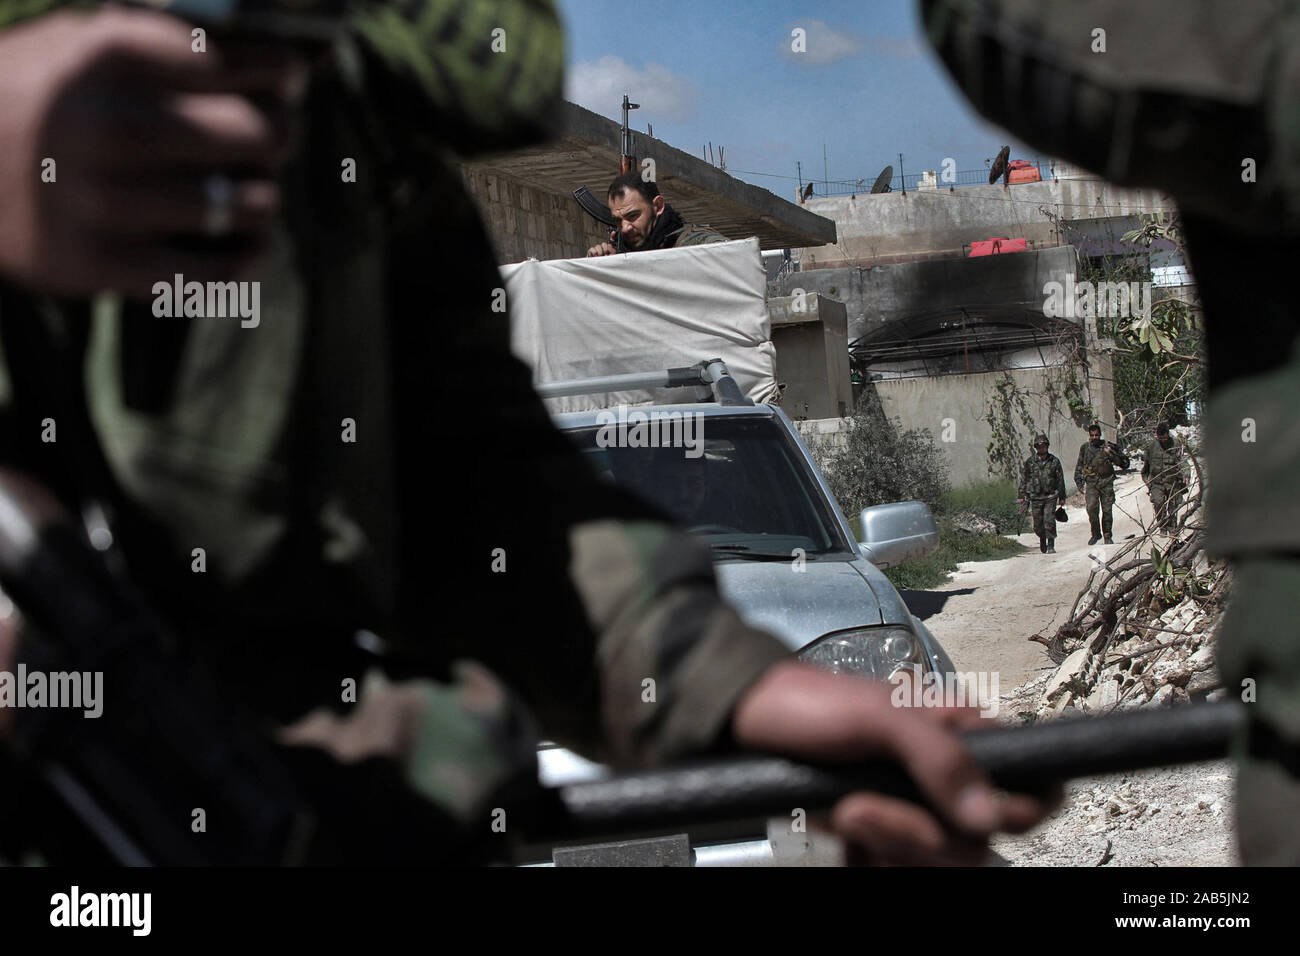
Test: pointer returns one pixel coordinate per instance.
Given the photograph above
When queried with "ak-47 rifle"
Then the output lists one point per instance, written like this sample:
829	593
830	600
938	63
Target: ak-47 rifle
592	206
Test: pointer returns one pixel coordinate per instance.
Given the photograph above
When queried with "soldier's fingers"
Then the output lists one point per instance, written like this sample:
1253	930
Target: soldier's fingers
945	772
900	833
1021	812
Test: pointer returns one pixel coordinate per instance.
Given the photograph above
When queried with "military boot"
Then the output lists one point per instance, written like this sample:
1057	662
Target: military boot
1051	546
1095	538
1109	540
1042	544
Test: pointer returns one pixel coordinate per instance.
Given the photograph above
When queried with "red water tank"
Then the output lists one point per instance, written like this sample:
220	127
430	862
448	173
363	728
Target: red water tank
997	246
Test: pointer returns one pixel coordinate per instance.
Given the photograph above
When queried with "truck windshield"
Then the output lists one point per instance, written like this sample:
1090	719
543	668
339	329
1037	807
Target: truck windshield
747	488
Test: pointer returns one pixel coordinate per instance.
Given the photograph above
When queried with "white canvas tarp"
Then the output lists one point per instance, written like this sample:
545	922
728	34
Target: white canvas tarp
640	312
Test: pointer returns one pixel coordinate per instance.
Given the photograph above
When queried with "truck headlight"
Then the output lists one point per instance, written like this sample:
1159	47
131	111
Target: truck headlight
876	652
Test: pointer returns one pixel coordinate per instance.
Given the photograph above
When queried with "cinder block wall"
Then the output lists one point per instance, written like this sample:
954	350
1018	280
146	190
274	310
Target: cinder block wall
526	222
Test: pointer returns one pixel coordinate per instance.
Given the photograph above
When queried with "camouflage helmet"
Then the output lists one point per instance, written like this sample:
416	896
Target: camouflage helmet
1040	439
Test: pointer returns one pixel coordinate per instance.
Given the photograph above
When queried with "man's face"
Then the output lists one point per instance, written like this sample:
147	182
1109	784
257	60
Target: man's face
634	217
1041	448
1094	435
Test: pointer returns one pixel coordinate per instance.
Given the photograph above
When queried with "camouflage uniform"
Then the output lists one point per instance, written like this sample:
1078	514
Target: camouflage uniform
695	234
1183	96
1164	470
1095	473
201	434
1042	483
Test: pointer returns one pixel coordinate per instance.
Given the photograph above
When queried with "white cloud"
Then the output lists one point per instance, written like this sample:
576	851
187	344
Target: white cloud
600	86
822	44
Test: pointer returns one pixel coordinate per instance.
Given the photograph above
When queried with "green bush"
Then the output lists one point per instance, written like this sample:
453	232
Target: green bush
881	463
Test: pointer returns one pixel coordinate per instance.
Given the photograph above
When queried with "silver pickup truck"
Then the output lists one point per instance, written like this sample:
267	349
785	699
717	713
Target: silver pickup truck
738	475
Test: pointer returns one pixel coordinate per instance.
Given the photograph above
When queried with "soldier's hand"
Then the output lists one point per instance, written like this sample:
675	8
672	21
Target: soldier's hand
807	712
604	249
137	124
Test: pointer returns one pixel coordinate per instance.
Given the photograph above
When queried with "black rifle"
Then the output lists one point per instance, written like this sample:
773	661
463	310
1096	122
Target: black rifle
1022	759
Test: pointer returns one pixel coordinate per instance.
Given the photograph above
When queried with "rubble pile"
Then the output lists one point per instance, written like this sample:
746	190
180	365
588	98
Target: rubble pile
1141	632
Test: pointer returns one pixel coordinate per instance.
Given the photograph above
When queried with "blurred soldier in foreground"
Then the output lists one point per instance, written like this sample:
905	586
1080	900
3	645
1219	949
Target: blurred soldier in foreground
1201	99
1094	474
1164	469
1042	484
265	479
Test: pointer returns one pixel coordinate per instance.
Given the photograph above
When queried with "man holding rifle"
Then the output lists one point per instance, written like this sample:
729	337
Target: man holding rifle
1094	475
264	487
643	221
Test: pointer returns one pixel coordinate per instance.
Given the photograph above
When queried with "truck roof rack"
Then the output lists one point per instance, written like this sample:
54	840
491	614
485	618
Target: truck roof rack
710	373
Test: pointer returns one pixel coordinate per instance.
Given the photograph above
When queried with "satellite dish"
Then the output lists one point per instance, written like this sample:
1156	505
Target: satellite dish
999	165
881	184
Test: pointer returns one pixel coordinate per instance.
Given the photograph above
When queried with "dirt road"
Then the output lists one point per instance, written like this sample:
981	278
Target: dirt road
984	616
1177	816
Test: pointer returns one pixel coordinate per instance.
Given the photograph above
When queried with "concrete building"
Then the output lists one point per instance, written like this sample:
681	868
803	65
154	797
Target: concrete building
936	332
526	196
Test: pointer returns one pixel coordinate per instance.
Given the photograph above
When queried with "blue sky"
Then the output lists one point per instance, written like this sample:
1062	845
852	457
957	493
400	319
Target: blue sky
868	85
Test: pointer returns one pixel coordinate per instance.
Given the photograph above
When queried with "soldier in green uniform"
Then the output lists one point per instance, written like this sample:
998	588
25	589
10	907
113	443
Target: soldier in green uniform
1164	469
274	487
644	221
1201	101
1042	484
1094	474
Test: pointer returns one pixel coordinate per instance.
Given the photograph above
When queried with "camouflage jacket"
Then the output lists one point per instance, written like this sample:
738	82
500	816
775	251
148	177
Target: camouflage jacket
1042	478
1096	466
1164	466
693	234
370	455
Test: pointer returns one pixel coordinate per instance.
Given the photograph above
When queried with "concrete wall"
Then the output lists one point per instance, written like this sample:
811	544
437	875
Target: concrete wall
812	357
962	401
876	295
525	221
896	226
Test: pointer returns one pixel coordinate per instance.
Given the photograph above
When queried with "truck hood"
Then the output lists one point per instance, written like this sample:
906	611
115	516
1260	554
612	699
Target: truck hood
799	607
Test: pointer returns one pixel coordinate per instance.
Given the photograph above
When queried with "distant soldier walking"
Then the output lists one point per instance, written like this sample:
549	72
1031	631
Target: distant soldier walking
1165	474
1094	474
1042	484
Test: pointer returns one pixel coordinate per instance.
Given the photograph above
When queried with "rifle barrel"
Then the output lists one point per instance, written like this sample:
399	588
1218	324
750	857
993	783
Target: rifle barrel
1024	759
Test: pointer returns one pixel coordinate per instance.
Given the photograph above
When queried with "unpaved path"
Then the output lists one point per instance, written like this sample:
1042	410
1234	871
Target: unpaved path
990	608
1175	816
